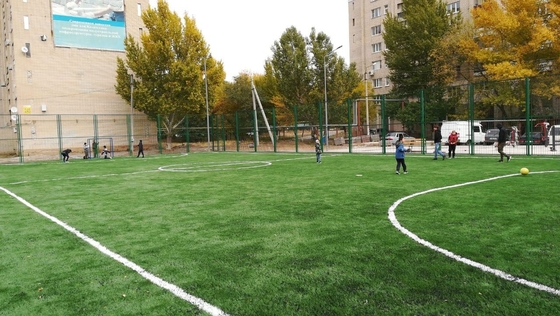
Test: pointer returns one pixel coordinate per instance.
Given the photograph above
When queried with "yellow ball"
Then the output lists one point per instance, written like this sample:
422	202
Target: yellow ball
524	171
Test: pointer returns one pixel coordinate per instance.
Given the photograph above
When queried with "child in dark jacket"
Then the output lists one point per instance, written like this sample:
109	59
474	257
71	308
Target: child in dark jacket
66	154
399	155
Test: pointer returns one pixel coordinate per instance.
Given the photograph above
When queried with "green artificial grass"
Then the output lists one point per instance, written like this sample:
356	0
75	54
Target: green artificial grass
278	234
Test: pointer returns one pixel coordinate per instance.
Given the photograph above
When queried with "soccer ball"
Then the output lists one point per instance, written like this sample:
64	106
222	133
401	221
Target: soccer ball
524	171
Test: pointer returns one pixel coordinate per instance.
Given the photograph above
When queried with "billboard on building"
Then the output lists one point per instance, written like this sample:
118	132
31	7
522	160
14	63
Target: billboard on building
95	24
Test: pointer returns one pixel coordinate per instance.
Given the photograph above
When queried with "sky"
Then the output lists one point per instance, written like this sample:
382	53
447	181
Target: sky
241	33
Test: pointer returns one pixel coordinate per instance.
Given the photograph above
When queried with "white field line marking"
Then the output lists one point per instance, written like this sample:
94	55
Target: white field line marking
175	290
214	166
147	171
84	177
450	254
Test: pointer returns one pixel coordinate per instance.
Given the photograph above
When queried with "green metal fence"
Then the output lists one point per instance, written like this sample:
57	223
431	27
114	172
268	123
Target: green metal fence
527	106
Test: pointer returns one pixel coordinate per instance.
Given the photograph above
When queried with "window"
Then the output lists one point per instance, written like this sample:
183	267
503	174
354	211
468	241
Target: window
386	9
375	13
377	82
454	7
376	30
376	48
26	22
376	65
387	82
139	9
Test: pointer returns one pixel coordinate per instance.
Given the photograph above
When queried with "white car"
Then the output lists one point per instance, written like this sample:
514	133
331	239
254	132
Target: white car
393	137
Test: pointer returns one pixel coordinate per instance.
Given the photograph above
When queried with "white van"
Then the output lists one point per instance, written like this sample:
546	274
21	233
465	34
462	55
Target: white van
463	129
554	135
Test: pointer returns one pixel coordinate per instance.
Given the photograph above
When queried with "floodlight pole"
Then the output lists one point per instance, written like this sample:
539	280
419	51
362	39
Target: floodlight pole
326	106
207	110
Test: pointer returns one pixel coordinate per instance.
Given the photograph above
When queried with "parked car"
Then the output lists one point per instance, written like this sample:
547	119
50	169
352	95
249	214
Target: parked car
491	136
392	137
537	138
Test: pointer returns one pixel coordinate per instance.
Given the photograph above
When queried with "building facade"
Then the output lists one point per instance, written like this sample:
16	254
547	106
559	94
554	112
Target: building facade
59	58
365	18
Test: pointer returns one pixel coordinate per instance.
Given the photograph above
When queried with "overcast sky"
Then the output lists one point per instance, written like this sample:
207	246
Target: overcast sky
241	32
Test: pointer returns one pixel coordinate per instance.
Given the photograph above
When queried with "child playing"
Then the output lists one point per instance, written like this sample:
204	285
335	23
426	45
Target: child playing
318	151
399	155
106	153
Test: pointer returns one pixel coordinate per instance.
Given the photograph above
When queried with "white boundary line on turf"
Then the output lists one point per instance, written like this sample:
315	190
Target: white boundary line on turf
214	166
175	290
499	273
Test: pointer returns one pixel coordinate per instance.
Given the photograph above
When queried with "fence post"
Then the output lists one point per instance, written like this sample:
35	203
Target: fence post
528	124
320	104
59	134
187	134
296	127
237	131
423	122
19	138
384	125
129	132
223	132
274	129
349	110
471	117
159	133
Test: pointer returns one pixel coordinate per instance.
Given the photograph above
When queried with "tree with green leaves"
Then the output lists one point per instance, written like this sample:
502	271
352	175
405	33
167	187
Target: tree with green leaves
297	69
167	68
416	44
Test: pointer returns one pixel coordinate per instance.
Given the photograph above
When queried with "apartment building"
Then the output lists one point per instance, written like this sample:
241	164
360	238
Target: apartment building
365	18
59	56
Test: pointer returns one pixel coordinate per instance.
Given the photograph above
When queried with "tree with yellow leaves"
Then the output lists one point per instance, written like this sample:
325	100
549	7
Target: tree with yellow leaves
514	39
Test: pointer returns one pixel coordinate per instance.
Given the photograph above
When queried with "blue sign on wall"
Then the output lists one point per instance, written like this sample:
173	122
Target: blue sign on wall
77	24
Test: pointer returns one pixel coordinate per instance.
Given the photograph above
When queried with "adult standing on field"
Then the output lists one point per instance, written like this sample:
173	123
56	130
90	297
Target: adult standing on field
86	151
452	140
502	138
140	149
437	143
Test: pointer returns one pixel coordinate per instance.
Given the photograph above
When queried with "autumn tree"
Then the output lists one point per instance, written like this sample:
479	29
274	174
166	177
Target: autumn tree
416	44
167	67
511	40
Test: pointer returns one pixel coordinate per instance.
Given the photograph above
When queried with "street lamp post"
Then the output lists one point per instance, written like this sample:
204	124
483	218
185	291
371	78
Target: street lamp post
207	110
326	106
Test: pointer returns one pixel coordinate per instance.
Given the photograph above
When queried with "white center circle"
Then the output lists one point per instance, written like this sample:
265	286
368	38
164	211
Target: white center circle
215	166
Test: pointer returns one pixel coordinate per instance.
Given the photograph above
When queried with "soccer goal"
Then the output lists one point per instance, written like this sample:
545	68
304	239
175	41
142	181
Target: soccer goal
96	146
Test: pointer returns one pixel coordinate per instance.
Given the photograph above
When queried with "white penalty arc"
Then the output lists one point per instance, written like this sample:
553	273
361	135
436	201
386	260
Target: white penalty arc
485	268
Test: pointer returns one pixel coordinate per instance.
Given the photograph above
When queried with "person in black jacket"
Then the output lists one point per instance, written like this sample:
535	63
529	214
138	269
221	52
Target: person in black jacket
437	143
502	138
140	149
66	154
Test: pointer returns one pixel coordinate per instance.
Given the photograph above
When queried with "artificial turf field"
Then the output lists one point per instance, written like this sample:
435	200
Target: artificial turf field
278	234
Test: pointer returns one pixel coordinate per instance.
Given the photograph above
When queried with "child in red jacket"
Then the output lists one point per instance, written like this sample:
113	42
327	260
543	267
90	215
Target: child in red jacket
452	140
